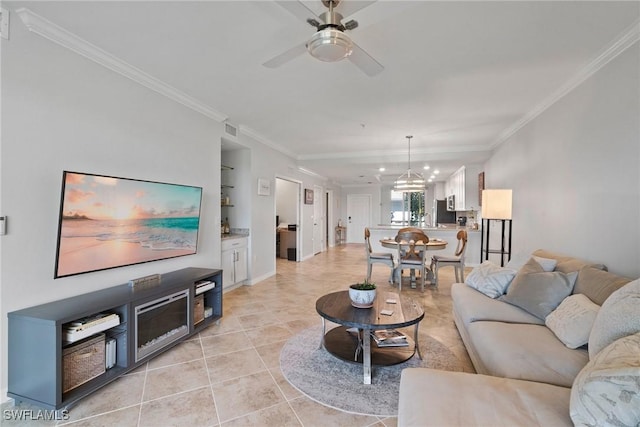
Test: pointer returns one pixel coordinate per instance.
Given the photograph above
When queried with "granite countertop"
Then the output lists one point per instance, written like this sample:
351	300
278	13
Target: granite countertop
234	235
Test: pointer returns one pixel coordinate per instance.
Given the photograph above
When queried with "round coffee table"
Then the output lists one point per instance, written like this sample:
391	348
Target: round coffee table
336	307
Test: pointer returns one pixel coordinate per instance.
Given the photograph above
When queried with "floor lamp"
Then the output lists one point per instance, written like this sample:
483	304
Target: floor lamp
496	205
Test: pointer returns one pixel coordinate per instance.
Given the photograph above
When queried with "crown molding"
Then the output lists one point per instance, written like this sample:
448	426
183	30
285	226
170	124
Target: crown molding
47	29
314	174
246	130
619	45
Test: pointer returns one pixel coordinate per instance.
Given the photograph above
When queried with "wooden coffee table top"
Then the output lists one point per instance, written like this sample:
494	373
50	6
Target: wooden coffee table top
337	308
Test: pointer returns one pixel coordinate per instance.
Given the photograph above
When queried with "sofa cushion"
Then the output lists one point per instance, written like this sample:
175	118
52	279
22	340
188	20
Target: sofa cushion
537	291
430	397
526	352
619	316
471	305
571	322
518	261
607	390
490	279
567	264
598	284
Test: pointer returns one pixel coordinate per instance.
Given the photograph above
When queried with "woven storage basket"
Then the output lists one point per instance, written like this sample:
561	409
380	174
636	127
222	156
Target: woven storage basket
83	362
198	309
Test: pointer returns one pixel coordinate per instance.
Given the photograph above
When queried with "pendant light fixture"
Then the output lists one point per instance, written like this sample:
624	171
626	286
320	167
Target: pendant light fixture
409	181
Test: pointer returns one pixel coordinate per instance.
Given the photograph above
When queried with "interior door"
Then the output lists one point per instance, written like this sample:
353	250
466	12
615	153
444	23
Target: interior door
318	220
358	216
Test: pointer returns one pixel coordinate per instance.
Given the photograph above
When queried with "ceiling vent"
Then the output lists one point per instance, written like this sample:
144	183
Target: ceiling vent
231	130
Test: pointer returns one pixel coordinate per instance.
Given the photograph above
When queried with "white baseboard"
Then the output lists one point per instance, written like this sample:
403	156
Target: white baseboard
261	278
3	396
231	287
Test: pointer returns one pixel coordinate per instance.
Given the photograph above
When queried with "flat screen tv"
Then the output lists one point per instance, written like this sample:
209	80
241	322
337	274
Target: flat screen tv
108	222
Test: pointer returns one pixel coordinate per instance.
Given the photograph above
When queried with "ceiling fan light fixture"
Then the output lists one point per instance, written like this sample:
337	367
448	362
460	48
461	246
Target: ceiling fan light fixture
330	45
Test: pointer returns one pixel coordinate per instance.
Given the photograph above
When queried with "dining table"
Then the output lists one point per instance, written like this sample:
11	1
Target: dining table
431	245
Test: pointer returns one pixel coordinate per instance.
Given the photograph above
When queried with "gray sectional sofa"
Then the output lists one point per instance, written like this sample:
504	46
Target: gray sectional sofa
525	373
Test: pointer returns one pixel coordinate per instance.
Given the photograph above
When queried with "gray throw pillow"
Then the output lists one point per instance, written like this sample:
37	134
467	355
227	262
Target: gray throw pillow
537	291
619	316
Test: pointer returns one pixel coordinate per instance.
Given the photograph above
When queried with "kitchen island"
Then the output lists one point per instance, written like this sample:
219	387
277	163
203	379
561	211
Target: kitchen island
444	232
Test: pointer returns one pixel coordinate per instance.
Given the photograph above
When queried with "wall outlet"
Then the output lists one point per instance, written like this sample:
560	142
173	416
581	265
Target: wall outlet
4	23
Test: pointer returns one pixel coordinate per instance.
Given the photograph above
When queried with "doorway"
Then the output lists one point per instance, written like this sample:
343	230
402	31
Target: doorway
288	195
318	221
329	233
358	216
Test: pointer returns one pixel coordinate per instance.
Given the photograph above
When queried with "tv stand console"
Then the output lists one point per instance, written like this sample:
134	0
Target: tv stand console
52	370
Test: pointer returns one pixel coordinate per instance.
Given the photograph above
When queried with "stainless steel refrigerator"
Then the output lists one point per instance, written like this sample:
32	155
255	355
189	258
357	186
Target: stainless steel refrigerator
441	214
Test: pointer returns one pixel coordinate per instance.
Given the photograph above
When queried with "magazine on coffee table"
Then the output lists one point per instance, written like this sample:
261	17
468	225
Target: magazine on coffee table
389	338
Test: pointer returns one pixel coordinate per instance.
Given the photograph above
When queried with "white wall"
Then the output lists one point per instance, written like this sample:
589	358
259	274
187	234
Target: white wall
575	171
287	201
267	163
61	111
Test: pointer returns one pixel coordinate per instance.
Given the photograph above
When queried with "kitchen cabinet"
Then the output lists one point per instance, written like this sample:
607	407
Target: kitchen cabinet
463	185
234	258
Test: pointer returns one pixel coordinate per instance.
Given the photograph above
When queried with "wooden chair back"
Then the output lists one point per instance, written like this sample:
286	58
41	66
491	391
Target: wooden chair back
462	243
411	236
367	240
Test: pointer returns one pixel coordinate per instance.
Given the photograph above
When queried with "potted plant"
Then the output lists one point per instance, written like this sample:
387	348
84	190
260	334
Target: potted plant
362	294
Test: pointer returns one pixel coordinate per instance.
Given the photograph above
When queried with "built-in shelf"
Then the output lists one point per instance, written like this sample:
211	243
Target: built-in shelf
225	202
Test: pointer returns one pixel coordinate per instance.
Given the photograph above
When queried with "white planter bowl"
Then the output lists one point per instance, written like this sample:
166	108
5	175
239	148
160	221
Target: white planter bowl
362	299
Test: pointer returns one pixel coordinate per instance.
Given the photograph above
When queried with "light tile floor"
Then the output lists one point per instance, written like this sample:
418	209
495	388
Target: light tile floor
229	375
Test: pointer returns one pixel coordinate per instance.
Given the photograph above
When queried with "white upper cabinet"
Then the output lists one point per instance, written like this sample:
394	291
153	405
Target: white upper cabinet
463	185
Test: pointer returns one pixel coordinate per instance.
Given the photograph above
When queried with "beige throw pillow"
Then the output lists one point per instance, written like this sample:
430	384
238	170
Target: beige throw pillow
606	392
619	316
572	320
537	291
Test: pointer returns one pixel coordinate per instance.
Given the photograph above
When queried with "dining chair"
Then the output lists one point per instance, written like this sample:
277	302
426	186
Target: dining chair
457	260
377	257
413	257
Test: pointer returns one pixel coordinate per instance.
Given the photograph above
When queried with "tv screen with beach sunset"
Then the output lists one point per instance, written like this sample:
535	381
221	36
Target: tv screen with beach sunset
107	222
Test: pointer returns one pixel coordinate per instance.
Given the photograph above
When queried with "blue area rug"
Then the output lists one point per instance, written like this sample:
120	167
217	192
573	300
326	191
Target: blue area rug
338	384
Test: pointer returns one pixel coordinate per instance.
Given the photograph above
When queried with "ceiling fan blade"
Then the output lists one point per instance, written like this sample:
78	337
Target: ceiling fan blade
286	56
365	62
297	9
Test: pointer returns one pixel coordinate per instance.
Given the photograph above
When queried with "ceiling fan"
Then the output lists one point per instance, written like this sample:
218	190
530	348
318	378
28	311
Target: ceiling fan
330	43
